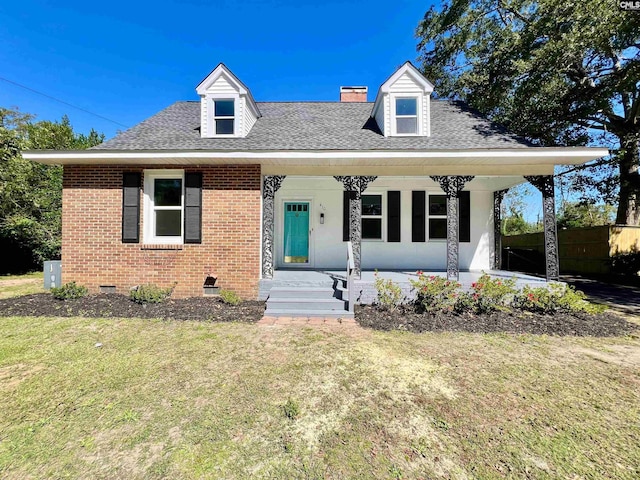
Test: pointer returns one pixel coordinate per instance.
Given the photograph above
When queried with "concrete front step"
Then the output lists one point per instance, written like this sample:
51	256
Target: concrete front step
301	293
298	313
304	303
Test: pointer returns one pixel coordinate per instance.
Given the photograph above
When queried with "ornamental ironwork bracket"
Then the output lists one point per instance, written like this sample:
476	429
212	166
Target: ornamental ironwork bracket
545	184
271	185
356	183
452	185
498	196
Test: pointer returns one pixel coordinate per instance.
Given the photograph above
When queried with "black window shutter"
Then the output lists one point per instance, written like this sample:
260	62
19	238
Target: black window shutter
346	196
418	207
193	207
393	216
131	207
465	216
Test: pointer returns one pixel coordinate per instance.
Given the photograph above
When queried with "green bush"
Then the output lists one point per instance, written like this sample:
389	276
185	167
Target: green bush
557	298
625	263
491	294
389	293
229	297
69	291
150	293
435	294
291	409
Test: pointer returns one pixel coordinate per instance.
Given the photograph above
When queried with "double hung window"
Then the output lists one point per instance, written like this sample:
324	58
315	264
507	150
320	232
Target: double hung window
406	116
372	217
164	206
224	116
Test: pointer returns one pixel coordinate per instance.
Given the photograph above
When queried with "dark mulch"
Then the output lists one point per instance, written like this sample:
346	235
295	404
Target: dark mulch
115	305
580	324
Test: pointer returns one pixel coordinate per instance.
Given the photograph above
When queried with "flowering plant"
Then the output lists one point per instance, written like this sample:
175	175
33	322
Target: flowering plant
435	293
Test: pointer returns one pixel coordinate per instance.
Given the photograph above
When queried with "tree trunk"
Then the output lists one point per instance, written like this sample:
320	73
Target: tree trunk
629	201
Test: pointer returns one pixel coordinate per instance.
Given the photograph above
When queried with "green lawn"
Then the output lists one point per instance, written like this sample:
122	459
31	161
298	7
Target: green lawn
199	400
15	285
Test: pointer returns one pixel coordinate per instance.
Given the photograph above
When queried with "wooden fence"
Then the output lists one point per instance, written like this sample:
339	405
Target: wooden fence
582	250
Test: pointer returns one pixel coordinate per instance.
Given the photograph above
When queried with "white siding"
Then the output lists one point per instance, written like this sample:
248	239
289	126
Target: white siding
405	84
387	115
204	121
380	117
221	86
327	250
249	118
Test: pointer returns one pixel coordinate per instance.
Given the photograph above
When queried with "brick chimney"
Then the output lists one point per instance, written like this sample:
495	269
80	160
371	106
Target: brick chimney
353	94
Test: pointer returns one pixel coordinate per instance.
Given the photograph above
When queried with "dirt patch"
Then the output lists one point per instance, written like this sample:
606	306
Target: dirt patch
115	305
579	324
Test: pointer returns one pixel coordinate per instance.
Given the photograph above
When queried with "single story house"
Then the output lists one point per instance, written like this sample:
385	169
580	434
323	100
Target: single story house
238	189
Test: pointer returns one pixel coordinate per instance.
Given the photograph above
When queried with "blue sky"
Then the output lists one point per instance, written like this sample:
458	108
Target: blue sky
128	60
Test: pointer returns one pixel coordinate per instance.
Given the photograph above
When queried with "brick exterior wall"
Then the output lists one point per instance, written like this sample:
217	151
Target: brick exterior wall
93	253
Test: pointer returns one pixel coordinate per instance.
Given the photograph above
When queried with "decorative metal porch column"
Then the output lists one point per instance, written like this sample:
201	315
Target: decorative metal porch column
544	183
356	184
271	185
497	227
452	186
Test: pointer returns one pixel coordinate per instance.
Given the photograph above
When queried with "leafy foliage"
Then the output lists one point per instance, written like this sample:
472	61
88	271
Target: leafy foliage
69	291
31	193
150	293
558	73
230	297
627	263
491	294
291	409
583	214
390	295
557	298
435	294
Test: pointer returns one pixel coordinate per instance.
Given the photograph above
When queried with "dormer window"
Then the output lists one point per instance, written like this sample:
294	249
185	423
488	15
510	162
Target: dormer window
224	116
407	116
227	108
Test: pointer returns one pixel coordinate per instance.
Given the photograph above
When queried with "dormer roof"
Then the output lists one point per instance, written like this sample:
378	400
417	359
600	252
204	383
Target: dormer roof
223	71
406	68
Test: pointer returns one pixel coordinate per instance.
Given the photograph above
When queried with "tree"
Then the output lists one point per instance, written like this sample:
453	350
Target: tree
558	72
583	214
31	193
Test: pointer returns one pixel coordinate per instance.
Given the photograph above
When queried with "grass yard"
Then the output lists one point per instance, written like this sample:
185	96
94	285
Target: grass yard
16	285
202	400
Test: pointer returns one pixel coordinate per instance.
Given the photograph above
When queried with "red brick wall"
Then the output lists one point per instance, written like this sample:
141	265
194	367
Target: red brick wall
93	253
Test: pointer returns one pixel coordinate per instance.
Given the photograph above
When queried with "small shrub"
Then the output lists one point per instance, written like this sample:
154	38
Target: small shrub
625	263
491	294
435	294
557	298
150	293
389	293
229	297
69	291
291	409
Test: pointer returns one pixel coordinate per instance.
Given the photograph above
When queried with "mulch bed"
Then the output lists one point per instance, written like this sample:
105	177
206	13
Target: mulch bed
115	305
579	324
213	310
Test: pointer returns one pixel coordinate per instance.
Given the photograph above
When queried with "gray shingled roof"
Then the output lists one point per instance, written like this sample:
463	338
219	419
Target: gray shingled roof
314	126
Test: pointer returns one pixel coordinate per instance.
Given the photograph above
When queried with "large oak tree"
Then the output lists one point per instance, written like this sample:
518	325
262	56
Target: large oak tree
558	72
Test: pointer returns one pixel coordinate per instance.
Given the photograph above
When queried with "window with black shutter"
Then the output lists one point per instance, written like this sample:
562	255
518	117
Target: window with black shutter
131	207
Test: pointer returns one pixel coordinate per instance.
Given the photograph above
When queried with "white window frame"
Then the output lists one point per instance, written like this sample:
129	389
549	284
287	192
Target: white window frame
394	117
211	99
436	217
149	208
381	216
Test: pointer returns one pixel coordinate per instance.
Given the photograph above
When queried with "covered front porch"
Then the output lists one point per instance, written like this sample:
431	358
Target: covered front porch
364	288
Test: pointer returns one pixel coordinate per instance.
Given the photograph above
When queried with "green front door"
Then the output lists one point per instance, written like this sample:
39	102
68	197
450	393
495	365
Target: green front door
296	232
